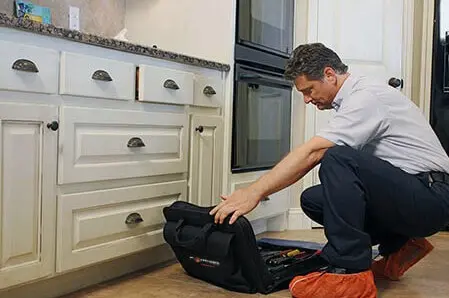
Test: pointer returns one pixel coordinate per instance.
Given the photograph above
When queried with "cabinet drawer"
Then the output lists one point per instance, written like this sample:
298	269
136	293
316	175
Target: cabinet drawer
96	77
208	91
99	225
102	144
165	85
28	68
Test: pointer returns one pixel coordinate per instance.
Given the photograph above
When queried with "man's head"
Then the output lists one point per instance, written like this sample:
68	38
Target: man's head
317	72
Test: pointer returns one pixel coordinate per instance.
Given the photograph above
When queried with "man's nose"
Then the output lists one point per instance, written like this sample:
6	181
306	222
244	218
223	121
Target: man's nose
307	98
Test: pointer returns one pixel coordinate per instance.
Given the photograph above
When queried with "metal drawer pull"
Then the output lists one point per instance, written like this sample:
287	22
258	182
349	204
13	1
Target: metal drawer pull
133	218
209	91
135	143
101	75
25	65
170	84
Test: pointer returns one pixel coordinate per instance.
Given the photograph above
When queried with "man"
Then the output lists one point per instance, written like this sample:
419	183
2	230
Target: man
383	178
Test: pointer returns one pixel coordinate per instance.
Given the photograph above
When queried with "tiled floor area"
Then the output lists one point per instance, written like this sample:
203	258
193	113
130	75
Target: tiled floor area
429	278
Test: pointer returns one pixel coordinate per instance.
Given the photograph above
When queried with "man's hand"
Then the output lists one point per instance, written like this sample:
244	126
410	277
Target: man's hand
240	202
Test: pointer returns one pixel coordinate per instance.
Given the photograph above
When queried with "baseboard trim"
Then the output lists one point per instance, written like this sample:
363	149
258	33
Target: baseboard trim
297	220
90	276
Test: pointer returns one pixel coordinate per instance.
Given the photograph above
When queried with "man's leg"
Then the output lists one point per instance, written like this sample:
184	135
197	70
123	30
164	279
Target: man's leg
354	182
312	201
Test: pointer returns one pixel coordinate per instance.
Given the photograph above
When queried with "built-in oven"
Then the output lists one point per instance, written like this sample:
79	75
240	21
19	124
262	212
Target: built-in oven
261	118
266	25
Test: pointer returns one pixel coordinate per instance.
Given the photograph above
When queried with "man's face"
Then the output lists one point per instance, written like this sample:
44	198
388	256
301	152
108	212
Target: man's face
320	93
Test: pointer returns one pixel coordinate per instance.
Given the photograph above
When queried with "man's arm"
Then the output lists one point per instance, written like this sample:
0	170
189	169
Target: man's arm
292	168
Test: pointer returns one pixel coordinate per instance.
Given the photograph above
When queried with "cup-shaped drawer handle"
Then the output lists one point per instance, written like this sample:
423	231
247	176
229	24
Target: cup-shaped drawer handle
101	75
25	65
209	91
133	218
170	84
135	143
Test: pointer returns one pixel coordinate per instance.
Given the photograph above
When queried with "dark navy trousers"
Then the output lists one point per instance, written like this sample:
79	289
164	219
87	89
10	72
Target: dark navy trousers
363	201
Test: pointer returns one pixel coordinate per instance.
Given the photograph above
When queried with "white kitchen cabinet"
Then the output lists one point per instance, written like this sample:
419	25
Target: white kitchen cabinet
27	191
206	149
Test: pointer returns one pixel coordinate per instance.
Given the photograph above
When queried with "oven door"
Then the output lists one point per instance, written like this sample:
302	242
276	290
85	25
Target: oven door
266	25
261	119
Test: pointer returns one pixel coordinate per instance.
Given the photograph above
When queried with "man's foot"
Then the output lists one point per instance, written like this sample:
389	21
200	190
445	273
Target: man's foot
395	265
334	283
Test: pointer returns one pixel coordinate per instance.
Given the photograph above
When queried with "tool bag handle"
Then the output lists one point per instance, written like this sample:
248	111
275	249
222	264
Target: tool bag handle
195	241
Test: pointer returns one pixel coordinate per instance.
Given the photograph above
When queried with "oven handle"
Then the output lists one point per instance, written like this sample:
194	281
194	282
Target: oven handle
256	78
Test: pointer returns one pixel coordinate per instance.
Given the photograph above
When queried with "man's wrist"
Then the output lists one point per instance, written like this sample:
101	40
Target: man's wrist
257	192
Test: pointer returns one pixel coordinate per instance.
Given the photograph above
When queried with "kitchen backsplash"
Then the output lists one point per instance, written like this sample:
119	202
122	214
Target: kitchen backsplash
101	17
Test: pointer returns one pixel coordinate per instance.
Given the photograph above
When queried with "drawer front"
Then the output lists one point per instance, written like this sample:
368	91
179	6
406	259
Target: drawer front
102	144
208	91
165	85
97	77
99	225
28	68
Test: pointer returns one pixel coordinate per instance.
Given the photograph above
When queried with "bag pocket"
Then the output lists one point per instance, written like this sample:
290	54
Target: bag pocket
207	254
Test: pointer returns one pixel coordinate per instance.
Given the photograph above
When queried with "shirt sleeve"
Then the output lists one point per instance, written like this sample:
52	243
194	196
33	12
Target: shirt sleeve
360	120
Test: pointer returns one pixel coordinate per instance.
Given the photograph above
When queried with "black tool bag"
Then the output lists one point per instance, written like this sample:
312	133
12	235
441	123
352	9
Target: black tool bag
229	255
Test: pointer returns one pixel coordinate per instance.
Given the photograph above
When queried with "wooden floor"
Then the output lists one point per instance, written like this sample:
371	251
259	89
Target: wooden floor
428	278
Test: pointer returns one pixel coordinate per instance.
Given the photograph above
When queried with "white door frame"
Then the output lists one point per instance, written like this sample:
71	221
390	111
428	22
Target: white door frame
425	81
297	219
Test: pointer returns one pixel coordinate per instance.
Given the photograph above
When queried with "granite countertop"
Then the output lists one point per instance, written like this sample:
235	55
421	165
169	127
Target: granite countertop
110	43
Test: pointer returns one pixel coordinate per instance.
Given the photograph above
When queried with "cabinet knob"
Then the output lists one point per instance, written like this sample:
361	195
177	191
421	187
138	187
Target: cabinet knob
54	125
199	129
395	82
133	218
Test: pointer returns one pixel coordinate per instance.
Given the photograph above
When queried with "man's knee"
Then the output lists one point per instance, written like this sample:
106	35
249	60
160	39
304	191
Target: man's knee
338	152
339	155
311	198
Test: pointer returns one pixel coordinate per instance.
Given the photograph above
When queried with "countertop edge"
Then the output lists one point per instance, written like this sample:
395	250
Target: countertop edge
109	43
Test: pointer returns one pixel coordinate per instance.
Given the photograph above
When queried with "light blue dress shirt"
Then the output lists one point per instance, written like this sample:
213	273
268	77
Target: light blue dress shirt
379	119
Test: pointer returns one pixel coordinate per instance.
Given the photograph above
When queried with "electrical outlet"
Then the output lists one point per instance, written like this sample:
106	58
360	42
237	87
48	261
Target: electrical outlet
74	18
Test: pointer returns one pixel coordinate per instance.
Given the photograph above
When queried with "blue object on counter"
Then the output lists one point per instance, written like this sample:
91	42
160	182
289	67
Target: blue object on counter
28	10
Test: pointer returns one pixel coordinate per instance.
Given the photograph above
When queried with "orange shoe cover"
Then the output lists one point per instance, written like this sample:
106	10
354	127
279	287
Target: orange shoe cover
396	264
331	285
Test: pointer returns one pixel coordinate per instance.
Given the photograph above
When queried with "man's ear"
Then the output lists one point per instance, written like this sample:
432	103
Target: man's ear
330	75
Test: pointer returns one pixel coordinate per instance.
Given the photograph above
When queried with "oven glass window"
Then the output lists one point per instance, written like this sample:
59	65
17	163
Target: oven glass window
261	126
266	23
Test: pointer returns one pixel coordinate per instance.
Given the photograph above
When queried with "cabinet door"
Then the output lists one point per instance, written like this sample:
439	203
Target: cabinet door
206	149
27	192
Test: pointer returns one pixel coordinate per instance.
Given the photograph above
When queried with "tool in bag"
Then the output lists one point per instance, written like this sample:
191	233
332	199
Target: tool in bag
229	255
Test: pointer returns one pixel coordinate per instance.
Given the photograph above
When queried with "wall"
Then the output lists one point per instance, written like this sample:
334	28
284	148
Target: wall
200	28
100	17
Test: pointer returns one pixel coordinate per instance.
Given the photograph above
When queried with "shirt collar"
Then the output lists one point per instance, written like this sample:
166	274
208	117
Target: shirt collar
344	91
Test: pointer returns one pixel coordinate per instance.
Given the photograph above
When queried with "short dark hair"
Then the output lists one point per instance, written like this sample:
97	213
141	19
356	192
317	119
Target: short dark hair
310	60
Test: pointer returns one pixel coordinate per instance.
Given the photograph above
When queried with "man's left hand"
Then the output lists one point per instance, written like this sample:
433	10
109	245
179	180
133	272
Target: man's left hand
239	203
